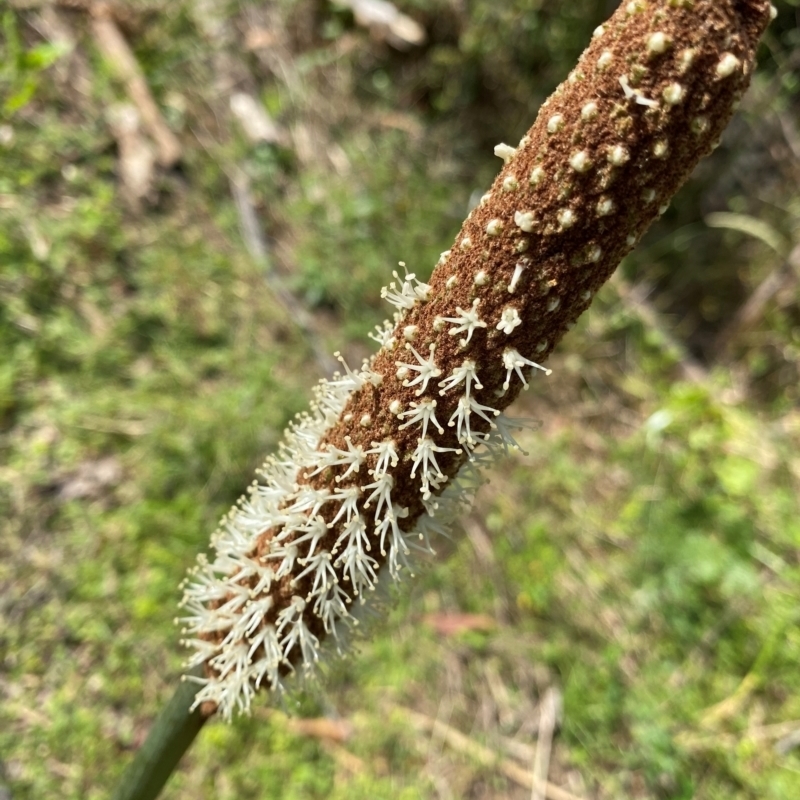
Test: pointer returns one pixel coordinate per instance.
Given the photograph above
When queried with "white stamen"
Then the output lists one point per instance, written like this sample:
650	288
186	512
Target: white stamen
514	362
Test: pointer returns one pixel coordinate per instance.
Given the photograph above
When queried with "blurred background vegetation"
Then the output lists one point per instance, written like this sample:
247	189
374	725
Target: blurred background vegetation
169	288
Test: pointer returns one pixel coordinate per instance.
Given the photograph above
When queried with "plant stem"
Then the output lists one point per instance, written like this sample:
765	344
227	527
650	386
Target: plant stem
169	738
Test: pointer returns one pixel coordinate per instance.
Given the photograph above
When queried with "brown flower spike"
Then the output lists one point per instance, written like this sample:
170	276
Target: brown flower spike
387	453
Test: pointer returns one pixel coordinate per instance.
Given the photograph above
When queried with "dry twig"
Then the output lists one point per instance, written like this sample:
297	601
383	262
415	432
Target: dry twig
116	50
753	309
256	245
385	21
483	755
635	299
548	720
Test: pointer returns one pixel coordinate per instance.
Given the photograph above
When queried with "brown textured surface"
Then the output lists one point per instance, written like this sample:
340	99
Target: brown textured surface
557	258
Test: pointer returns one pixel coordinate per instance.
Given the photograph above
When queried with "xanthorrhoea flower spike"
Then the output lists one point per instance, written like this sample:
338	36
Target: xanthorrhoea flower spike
386	454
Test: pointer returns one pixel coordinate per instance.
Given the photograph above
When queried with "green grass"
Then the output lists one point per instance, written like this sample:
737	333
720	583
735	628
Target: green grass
644	555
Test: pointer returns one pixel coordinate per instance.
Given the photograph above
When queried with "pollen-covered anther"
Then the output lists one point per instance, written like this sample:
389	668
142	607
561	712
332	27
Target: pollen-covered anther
727	65
365	421
510	183
466	321
658	43
524	220
673	94
451	282
481	278
514	362
505	151
580	161
509	320
396	407
566	218
426	369
410	332
494	227
605	60
555	123
465	243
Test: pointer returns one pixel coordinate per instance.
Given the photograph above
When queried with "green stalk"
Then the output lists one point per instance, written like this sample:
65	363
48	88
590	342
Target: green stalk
169	738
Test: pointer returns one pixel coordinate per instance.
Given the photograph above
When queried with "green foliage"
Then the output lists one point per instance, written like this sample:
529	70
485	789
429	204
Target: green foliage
22	67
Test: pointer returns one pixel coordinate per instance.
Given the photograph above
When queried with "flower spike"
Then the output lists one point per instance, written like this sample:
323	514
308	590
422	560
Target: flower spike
368	477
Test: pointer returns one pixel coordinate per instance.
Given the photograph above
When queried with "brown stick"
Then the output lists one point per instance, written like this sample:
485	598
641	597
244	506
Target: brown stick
548	719
483	755
753	308
115	49
634	298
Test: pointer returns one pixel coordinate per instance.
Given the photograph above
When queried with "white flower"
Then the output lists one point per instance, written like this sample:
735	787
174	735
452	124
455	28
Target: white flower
426	368
466	321
509	320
